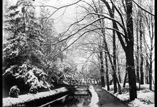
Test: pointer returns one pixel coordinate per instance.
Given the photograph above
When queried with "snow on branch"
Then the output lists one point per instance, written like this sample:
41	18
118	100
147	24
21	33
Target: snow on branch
143	8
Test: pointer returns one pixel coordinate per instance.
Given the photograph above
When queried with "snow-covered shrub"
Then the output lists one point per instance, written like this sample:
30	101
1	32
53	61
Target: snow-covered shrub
26	77
36	77
14	91
33	89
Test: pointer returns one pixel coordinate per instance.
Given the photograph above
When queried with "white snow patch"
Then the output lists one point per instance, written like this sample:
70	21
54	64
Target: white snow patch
95	98
145	97
29	97
138	103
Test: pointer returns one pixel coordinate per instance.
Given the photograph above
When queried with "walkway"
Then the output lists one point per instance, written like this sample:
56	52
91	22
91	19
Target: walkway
106	99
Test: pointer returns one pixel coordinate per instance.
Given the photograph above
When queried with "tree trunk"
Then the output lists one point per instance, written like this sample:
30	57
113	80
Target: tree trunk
131	74
118	69
151	53
107	77
119	75
119	86
137	49
141	54
141	71
102	69
114	64
130	52
114	55
125	79
114	80
147	71
150	74
101	52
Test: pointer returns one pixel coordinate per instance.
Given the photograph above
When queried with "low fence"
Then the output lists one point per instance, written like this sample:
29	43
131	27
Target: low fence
84	82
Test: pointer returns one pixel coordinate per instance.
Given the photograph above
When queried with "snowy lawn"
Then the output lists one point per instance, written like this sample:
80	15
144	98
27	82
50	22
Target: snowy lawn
145	97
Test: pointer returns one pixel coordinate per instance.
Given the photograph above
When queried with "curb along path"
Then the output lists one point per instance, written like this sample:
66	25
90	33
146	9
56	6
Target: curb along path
107	100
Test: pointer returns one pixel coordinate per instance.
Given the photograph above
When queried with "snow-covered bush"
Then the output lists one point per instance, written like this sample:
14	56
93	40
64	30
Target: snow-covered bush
14	91
36	77
33	89
26	76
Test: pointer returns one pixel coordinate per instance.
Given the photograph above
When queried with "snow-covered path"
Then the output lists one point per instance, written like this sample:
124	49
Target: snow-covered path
95	98
104	99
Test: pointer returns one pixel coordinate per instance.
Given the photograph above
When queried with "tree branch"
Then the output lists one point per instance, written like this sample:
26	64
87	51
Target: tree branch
75	40
116	27
112	19
120	17
63	7
76	31
143	9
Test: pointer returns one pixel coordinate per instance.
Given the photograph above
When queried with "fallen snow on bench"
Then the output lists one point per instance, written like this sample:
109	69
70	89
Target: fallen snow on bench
29	97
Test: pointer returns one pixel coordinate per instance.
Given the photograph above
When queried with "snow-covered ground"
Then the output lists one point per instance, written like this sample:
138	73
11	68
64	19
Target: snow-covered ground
95	98
145	97
9	101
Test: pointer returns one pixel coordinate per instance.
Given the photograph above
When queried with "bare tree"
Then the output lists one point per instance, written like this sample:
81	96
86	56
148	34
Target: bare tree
129	41
114	55
146	26
141	54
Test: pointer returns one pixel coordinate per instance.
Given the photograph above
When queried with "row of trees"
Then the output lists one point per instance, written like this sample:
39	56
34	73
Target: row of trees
130	28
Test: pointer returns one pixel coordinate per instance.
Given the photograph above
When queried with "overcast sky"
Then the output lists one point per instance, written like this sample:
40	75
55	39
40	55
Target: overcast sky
63	17
61	21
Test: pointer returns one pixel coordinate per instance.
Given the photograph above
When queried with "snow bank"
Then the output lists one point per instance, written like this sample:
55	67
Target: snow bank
138	103
29	97
95	98
145	97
